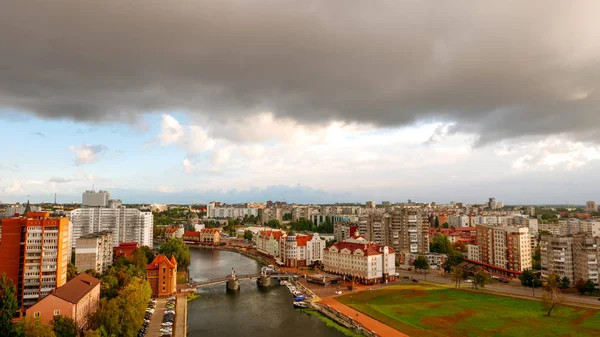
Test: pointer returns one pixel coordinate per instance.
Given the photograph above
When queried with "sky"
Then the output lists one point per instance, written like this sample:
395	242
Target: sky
302	101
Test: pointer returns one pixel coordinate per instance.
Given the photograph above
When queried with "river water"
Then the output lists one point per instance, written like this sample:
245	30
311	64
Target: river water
252	311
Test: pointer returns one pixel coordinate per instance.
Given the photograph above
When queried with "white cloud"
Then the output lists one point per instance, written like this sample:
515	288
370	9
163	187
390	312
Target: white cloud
552	153
171	130
16	187
166	189
86	154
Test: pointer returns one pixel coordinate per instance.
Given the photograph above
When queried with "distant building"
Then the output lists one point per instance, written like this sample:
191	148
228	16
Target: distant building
34	253
386	203
161	273
371	204
94	251
210	236
492	203
591	206
78	299
95	199
124	249
574	256
505	247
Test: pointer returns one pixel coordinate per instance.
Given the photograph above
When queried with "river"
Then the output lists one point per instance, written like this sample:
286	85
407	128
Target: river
251	312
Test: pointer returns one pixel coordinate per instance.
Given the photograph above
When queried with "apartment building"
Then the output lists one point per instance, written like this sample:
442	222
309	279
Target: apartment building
126	224
573	256
407	230
504	247
314	249
556	254
94	251
366	262
34	253
591	206
214	211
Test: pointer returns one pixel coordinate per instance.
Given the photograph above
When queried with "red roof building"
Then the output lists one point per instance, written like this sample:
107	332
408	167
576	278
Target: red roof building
161	273
124	249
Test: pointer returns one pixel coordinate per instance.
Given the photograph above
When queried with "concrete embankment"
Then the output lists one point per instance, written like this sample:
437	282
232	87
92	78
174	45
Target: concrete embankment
342	320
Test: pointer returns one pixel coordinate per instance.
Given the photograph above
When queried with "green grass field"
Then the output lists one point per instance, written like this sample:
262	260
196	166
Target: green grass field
428	310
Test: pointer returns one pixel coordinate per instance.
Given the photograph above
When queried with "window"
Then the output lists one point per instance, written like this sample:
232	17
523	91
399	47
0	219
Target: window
36	314
56	312
164	270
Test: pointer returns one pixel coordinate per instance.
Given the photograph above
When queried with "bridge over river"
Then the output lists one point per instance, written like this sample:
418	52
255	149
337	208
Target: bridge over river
240	277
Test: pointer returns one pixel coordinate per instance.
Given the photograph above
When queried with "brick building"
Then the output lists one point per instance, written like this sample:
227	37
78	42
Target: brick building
161	273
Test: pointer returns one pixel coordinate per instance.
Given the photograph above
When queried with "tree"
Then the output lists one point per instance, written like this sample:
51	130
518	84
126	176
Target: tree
273	223
589	286
71	271
30	326
287	217
445	225
580	285
458	274
421	263
436	223
122	315
481	278
64	326
248	235
92	333
93	273
552	296
454	258
179	249
8	305
441	244
139	259
528	280
565	283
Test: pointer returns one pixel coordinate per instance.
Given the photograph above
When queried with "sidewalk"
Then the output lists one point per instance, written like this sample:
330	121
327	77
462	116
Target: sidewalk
181	317
372	324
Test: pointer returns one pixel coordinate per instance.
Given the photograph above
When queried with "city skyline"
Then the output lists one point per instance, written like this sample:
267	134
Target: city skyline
395	101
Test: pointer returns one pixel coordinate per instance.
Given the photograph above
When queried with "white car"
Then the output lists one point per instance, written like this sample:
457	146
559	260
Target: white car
468	281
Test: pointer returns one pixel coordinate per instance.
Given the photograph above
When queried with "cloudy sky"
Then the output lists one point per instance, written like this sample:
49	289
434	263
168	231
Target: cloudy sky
189	101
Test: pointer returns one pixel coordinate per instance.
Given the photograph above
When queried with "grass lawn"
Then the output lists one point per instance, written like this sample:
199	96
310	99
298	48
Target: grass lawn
429	310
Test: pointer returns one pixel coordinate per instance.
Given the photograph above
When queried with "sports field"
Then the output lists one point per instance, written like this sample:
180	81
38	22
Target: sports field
429	310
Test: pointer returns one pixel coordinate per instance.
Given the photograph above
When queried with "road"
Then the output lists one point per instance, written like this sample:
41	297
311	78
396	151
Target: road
157	318
514	288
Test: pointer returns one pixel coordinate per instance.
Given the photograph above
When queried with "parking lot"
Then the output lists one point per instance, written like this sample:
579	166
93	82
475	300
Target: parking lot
157	318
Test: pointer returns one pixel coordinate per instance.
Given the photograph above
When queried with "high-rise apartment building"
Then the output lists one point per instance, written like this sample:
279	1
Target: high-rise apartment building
492	203
504	247
407	231
573	256
126	224
34	253
94	251
591	206
371	204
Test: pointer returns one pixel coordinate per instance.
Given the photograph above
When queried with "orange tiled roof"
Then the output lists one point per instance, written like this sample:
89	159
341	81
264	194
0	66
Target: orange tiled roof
160	258
171	230
302	239
209	230
191	234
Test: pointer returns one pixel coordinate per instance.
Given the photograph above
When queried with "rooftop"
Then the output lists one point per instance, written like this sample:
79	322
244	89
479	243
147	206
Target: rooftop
77	288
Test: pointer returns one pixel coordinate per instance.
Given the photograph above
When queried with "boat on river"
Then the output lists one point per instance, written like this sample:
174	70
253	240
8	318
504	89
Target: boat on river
300	305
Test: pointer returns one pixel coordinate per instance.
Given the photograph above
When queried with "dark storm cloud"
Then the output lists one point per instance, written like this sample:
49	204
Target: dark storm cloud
500	69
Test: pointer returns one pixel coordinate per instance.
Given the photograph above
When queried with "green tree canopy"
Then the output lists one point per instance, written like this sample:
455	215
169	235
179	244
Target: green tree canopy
248	235
565	282
64	326
589	286
421	263
273	223
179	249
481	278
8	305
30	326
580	285
71	271
441	244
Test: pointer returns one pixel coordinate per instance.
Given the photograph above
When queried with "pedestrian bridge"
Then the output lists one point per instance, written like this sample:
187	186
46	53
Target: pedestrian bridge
240	277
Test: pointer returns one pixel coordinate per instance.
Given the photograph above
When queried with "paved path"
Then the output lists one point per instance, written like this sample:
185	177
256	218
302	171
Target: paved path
181	317
368	322
157	318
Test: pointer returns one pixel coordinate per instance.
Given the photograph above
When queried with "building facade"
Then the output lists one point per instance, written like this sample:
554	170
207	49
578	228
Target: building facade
161	273
210	236
504	247
573	256
94	251
78	299
34	253
126	224
367	263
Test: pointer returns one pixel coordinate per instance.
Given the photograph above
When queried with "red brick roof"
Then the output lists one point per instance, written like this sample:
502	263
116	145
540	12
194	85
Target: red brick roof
160	259
74	290
191	234
209	230
171	230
